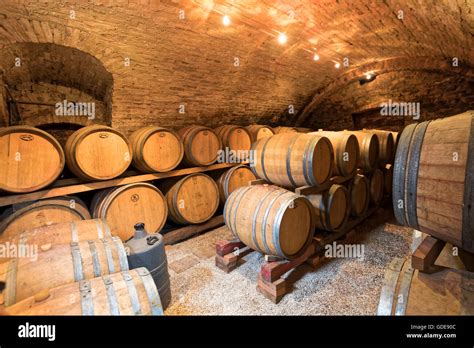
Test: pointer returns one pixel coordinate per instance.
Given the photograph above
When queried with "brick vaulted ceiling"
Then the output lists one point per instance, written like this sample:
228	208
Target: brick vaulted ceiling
181	54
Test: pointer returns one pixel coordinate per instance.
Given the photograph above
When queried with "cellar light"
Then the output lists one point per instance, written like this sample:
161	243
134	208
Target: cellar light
337	65
368	77
226	20
316	57
282	38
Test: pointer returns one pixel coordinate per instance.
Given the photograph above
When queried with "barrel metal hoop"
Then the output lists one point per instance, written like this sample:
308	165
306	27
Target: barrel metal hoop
403	291
77	262
123	261
389	285
398	183
412	173
100	233
468	214
111	296
229	202
151	291
132	293
254	220
87	300
10	279
262	159
108	254
288	161
308	169
234	228
277	224
74	234
265	218
227	178
252	159
108	233
95	258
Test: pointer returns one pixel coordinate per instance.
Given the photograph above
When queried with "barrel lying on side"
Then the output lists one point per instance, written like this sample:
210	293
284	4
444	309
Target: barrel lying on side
386	146
369	150
280	130
42	213
376	185
260	131
236	139
232	179
293	159
30	159
123	293
388	178
201	145
359	193
433	179
270	219
331	207
61	264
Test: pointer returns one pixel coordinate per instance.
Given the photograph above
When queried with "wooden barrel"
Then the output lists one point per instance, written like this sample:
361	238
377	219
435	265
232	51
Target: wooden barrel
359	194
46	212
279	130
386	146
433	179
409	292
124	293
201	145
235	138
156	149
191	200
332	208
369	150
62	233
270	219
346	151
232	179
97	153
388	178
123	207
395	140
30	159
293	160
376	185
61	264
259	131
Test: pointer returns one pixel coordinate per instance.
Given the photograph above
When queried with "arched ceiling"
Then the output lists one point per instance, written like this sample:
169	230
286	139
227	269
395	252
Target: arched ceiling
181	55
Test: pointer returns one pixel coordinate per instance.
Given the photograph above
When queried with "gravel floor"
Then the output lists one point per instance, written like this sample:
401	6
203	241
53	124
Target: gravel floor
338	286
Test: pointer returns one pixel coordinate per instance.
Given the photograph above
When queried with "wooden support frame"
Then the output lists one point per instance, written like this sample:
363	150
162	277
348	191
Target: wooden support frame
182	233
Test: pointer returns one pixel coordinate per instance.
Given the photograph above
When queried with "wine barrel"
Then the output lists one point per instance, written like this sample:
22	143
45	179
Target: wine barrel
376	185
42	213
30	159
359	194
62	233
201	145
123	207
191	200
97	153
271	220
232	179
61	264
279	130
346	151
447	292
259	131
388	178
156	149
332	208
386	146
125	293
236	139
293	159
433	179
369	150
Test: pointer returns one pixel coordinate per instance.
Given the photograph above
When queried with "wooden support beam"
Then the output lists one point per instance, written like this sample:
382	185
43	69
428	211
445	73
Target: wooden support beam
424	257
183	233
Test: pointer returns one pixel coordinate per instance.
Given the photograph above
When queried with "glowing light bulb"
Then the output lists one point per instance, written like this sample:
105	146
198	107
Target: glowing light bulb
368	76
337	65
226	20
282	38
316	57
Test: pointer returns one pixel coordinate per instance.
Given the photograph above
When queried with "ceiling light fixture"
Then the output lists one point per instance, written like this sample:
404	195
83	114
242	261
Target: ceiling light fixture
316	57
226	20
282	38
337	65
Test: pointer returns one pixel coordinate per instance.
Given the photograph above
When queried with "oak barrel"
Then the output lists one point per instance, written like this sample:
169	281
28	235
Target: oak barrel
60	264
332	208
388	178
201	145
369	150
376	185
433	179
191	200
46	212
280	130
123	293
123	207
97	153
232	179
359	193
235	138
293	159
270	219
386	146
260	131
30	159
156	149
346	151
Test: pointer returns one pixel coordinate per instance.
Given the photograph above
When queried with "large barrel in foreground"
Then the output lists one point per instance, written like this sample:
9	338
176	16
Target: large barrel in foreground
433	179
270	219
293	159
124	293
30	159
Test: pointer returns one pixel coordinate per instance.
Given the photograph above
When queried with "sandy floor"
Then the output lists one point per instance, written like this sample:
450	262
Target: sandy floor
345	286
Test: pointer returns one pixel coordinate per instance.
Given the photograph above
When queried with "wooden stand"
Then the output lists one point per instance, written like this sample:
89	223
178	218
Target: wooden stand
229	252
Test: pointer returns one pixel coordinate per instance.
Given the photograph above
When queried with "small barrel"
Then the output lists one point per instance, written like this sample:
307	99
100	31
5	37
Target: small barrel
97	153
280	130
30	159
156	149
386	146
332	208
359	194
369	150
236	139
260	131
376	185
346	151
191	200
46	212
123	293
388	178
271	220
232	179
201	145
123	207
60	264
293	159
